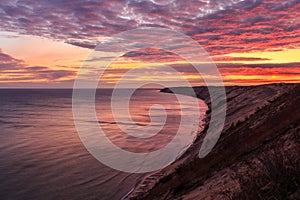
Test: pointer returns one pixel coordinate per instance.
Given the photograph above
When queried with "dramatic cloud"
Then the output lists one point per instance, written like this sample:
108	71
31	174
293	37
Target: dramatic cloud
9	63
221	26
232	73
12	69
232	31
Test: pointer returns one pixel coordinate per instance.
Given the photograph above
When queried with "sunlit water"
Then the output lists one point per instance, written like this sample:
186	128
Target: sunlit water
42	157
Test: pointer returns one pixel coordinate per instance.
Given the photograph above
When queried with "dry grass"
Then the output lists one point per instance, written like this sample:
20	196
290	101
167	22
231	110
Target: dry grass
278	178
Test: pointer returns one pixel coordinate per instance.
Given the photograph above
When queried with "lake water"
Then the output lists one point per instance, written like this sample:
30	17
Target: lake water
42	157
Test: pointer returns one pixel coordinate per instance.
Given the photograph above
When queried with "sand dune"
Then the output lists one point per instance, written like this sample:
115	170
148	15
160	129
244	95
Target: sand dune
262	125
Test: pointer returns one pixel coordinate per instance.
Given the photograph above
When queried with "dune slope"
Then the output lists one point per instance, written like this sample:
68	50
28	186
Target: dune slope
259	143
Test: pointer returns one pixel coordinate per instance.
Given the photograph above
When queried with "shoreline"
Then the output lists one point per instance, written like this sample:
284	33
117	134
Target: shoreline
159	173
237	93
156	174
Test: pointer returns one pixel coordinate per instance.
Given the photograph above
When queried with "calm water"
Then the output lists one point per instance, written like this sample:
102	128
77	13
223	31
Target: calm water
42	157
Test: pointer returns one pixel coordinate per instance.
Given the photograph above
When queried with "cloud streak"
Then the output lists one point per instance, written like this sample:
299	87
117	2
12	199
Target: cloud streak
12	70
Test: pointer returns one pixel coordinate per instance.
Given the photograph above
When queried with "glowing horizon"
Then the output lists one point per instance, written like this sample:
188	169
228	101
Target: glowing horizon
250	49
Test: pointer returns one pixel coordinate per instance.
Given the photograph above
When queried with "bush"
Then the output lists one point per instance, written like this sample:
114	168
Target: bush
279	178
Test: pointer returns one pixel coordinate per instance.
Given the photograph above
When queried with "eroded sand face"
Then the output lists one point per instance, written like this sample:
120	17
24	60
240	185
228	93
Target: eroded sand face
242	102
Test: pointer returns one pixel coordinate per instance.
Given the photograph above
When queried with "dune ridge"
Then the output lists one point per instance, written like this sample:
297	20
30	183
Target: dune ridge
260	119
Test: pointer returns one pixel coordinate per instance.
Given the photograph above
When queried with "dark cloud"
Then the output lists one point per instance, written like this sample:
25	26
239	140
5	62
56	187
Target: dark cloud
152	55
12	69
258	39
7	62
265	65
229	58
54	74
292	69
285	5
84	44
189	67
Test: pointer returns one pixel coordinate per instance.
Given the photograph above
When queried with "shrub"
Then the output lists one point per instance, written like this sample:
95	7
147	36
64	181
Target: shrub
278	178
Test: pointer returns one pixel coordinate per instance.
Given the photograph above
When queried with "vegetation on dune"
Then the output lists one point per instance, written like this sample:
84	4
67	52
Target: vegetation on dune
278	178
267	134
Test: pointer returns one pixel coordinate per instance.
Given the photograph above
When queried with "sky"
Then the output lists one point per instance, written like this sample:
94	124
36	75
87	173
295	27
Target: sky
44	43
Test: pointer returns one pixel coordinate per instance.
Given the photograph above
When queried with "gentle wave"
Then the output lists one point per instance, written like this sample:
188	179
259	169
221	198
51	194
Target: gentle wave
42	156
